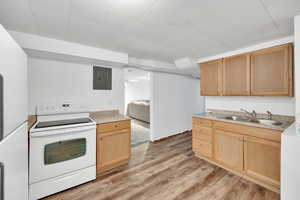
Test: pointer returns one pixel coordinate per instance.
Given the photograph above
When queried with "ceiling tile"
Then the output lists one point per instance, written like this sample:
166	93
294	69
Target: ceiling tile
155	29
226	24
16	15
92	33
53	23
123	14
283	12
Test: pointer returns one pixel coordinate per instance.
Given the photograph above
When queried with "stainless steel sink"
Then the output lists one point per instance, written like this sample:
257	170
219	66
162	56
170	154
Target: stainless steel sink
259	121
269	122
237	118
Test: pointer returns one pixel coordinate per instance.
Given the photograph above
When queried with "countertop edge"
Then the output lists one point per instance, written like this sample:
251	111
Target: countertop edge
241	123
110	121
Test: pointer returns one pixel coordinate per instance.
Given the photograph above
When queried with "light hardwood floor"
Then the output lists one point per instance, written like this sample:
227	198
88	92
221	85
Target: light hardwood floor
167	170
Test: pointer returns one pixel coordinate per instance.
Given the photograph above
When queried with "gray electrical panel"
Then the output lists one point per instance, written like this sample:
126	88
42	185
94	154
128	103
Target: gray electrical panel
1	109
102	78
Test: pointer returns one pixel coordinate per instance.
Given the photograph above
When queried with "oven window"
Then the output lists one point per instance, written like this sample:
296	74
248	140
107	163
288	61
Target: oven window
64	150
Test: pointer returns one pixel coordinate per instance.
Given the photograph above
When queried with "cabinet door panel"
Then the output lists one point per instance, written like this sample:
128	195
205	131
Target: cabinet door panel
211	78
271	71
236	75
112	148
262	160
228	150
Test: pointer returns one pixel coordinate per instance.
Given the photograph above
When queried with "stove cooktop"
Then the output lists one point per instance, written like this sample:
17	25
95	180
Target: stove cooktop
47	124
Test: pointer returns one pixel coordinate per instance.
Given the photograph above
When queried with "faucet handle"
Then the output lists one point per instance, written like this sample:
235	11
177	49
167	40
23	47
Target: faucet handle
254	113
269	115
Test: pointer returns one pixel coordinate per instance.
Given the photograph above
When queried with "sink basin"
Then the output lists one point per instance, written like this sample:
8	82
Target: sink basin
231	117
236	118
260	121
269	122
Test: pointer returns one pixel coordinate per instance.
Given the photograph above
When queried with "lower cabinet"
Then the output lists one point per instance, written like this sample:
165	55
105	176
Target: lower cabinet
251	152
113	145
203	148
228	149
262	160
202	137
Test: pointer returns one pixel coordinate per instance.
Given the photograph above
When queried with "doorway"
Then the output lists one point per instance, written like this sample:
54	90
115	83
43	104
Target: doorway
137	103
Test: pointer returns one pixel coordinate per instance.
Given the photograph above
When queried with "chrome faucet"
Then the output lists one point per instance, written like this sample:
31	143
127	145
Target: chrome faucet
270	116
252	115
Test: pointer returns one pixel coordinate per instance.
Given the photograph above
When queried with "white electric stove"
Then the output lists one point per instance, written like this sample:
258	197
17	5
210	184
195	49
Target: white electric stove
62	149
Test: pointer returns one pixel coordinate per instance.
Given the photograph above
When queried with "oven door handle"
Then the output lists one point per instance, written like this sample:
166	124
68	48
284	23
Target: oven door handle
61	132
1	181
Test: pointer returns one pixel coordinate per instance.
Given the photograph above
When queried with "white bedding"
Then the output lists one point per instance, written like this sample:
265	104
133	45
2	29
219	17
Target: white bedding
139	109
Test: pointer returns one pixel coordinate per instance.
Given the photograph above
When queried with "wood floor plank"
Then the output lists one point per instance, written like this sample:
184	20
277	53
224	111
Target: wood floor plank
167	170
161	178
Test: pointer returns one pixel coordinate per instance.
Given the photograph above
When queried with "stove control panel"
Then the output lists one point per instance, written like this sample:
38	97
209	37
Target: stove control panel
64	108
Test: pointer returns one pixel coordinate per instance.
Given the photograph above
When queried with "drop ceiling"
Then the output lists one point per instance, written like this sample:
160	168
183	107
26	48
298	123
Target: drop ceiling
163	30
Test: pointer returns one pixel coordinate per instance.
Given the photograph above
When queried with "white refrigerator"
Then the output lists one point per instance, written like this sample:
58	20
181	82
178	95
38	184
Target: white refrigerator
13	120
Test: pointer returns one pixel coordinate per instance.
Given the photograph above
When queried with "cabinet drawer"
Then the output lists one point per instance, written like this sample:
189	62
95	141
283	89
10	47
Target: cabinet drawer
202	122
202	148
113	126
263	133
202	133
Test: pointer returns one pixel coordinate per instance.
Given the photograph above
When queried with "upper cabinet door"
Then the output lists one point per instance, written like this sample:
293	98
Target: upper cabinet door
271	71
236	75
211	78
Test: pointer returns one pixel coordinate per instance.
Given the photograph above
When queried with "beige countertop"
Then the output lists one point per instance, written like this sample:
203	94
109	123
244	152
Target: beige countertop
31	121
221	114
99	117
108	116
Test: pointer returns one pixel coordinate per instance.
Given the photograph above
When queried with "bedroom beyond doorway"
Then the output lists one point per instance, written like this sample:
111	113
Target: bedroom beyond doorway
137	103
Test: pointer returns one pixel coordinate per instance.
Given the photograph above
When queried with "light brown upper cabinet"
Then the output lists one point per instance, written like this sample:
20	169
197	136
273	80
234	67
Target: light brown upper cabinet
271	71
236	75
211	78
267	72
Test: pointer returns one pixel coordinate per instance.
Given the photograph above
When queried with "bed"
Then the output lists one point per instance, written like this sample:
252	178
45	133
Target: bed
139	109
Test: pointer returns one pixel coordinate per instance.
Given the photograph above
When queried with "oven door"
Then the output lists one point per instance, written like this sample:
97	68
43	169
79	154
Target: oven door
57	152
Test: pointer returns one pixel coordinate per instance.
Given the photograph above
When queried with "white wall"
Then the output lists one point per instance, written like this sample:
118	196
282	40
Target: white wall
136	91
52	82
290	140
277	105
174	99
297	62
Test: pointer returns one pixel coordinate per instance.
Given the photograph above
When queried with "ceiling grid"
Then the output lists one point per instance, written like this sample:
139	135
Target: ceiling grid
163	30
